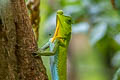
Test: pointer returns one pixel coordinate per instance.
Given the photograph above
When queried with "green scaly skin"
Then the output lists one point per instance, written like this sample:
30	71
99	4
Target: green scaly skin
58	45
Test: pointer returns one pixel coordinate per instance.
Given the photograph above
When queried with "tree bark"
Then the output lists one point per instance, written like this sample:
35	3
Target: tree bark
17	43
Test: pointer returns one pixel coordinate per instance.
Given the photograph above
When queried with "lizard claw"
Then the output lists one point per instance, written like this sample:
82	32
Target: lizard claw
35	54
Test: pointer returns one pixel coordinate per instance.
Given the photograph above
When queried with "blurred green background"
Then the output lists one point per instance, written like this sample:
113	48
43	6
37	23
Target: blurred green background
94	50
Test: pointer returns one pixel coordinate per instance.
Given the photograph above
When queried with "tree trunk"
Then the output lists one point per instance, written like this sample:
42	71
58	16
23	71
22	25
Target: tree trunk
17	43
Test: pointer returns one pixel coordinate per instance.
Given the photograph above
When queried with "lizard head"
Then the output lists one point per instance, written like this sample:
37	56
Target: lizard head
63	25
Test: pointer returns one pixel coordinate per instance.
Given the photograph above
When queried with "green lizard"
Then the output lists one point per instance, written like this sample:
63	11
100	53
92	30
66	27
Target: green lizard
58	45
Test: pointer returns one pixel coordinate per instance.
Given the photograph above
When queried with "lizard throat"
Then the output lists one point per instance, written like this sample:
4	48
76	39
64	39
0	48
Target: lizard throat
56	32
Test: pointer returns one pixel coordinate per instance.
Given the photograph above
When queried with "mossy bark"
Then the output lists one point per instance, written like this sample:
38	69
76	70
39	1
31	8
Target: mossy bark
17	43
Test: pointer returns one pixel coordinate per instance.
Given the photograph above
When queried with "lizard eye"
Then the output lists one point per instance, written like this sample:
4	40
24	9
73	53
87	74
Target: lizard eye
68	21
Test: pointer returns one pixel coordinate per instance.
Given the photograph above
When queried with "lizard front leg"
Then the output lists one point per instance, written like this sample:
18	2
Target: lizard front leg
42	52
